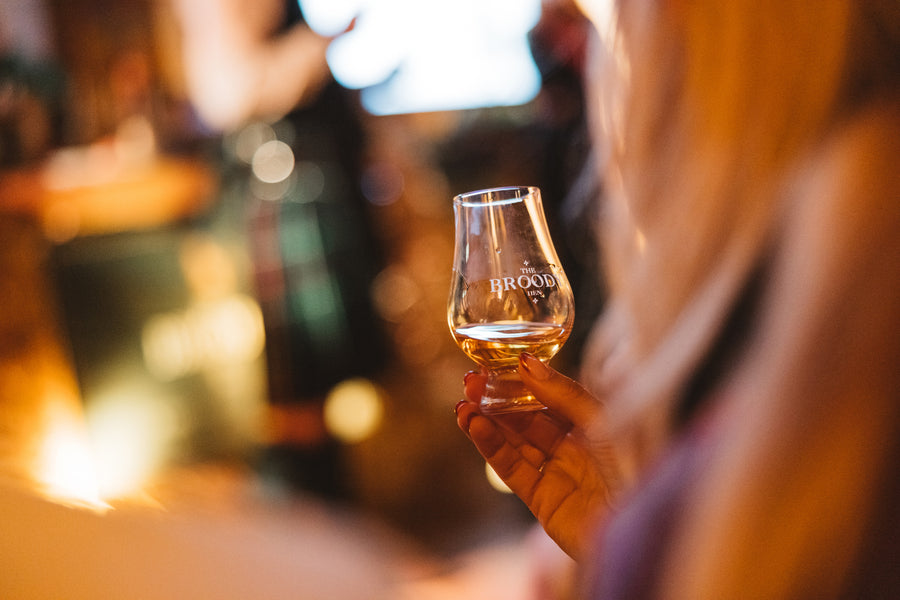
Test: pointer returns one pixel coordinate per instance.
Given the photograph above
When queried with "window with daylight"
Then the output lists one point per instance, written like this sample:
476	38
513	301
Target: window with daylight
427	55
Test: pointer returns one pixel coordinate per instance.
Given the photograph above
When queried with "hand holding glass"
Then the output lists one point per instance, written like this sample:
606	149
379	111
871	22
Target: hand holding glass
509	293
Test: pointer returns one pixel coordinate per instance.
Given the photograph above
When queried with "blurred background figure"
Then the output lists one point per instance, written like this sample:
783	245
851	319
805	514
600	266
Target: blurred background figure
293	159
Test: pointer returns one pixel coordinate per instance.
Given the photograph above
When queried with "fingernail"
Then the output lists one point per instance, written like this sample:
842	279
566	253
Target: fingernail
468	376
534	366
458	406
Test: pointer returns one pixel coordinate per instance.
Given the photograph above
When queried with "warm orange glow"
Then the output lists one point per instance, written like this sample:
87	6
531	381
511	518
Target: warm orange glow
65	468
132	434
110	452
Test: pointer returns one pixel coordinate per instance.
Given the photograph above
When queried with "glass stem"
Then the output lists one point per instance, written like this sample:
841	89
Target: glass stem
504	391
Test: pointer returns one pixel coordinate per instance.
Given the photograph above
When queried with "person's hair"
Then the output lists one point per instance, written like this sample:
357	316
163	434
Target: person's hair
720	118
710	107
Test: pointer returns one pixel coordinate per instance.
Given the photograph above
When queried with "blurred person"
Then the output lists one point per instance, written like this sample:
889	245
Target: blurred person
246	60
737	431
564	167
256	68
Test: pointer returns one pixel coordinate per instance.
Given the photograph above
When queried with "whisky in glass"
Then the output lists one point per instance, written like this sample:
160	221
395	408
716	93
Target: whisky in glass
508	293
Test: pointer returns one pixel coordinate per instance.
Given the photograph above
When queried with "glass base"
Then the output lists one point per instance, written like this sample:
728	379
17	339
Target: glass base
504	392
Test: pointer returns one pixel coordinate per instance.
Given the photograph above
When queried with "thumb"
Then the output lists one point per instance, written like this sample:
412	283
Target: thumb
562	395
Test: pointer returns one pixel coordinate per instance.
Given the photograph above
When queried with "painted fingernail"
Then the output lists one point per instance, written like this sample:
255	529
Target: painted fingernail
468	376
534	366
458	406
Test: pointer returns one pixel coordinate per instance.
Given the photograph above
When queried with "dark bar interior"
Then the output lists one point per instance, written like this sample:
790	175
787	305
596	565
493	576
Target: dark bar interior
449	299
223	341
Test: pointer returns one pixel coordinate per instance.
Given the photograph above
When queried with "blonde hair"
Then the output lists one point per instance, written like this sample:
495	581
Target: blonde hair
715	114
718	102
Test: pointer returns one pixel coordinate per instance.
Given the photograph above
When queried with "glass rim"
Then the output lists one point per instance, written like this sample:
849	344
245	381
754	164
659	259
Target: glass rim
497	195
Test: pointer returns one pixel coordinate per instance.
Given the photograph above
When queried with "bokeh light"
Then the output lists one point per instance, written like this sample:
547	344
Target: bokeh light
495	481
353	410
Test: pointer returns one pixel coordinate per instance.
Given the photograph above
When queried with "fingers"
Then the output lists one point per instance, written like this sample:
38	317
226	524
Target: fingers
473	384
466	410
542	429
543	481
498	443
519	471
516	462
557	392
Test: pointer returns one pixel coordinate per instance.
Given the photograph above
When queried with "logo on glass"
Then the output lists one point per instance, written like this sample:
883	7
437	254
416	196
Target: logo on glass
530	280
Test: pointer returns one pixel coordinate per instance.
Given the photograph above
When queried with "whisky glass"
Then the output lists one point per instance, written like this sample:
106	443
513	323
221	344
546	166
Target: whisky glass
509	293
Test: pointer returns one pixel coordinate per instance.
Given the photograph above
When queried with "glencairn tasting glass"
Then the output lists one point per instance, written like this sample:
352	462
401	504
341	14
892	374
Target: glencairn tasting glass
509	293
